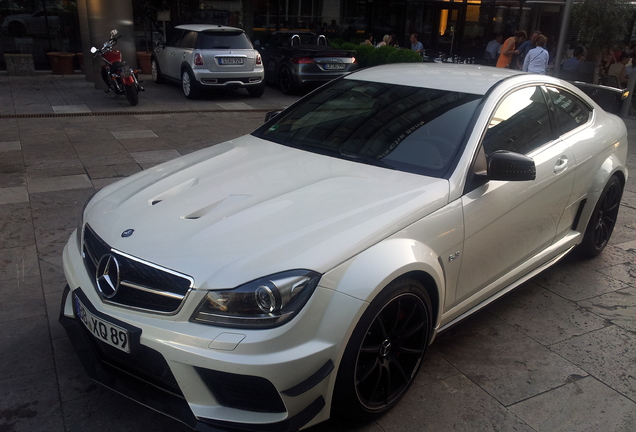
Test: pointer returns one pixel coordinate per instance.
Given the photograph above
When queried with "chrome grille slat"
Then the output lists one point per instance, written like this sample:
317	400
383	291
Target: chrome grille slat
144	286
152	290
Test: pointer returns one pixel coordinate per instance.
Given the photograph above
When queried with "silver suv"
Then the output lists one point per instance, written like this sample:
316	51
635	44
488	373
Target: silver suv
209	56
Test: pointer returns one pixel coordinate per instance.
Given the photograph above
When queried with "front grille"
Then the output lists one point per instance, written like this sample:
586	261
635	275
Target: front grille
142	285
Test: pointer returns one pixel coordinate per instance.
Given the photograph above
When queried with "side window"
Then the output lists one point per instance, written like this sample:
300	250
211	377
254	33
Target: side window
174	40
189	40
520	124
571	112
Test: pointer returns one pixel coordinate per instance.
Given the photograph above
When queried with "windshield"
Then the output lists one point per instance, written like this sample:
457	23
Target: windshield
411	129
224	40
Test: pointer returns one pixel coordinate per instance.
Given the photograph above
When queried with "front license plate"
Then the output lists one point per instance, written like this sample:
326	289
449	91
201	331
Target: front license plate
231	61
334	66
111	334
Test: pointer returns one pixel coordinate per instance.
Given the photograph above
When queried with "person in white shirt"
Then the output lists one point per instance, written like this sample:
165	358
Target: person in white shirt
536	61
492	49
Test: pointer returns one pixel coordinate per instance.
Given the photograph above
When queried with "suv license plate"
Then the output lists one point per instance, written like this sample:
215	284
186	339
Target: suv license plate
106	332
231	61
334	66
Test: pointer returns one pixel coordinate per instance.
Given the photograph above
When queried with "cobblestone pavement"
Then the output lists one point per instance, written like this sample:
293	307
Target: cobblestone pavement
557	354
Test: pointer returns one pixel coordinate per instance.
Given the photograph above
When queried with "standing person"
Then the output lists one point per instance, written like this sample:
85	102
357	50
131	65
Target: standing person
525	47
508	49
570	67
492	50
416	45
619	70
536	60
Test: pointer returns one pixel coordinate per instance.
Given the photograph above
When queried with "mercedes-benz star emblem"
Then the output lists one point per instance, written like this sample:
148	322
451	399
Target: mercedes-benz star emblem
107	276
127	233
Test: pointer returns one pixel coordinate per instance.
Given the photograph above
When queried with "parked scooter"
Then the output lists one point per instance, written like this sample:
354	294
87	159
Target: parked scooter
119	77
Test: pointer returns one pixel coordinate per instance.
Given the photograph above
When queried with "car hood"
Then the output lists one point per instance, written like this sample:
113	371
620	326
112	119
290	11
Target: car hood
248	208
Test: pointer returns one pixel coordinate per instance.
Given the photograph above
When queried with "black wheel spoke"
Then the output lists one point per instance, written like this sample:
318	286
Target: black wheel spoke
372	369
391	351
412	331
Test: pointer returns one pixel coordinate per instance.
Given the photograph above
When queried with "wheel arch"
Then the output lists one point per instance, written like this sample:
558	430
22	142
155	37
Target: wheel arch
367	274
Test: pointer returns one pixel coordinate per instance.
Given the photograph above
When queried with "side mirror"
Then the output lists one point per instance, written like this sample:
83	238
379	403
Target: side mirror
509	166
93	50
160	43
270	115
113	32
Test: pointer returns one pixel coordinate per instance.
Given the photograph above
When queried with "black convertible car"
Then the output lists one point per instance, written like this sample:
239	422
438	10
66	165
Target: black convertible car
294	60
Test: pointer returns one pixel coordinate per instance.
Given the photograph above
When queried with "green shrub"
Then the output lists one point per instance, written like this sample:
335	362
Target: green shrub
404	56
367	55
363	54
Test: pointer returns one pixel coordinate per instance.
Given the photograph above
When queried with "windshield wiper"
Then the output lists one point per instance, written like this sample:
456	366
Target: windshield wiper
365	159
221	47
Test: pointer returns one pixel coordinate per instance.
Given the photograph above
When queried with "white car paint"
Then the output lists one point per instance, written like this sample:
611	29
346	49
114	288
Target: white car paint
249	208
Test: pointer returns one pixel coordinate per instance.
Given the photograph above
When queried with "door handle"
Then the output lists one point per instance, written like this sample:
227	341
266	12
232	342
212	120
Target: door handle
561	164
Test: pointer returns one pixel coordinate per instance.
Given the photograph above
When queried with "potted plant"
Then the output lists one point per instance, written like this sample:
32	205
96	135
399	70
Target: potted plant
146	12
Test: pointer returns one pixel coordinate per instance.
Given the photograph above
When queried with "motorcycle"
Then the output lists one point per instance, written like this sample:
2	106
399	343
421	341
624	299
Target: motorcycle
119	77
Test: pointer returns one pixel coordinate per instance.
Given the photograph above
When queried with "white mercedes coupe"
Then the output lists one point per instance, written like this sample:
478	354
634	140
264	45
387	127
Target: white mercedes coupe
299	272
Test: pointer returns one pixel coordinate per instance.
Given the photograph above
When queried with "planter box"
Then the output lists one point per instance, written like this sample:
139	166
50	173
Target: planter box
143	62
62	63
19	64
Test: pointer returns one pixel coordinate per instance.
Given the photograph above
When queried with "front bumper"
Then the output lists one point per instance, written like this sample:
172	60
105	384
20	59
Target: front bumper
278	379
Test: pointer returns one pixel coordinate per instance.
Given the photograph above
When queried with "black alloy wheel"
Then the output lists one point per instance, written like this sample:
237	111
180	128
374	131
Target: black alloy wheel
384	352
286	81
601	225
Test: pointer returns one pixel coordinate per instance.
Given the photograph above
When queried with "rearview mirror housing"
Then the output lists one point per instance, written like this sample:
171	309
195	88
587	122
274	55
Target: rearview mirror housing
509	166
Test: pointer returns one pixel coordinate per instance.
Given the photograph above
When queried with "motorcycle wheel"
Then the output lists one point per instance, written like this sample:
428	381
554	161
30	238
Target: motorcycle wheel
131	94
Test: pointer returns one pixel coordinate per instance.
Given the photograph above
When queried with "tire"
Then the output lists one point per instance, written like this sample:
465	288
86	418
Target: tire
256	91
286	81
189	84
385	352
601	224
131	94
157	78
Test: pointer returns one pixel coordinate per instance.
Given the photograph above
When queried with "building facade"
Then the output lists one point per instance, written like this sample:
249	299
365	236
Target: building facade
461	27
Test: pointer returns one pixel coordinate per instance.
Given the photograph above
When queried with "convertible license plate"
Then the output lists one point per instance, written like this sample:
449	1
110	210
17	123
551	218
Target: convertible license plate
334	66
111	334
231	60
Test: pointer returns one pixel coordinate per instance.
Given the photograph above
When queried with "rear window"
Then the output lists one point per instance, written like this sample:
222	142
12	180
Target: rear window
224	40
405	128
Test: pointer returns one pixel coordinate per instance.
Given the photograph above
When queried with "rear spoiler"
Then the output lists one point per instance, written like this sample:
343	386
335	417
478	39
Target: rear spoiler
608	98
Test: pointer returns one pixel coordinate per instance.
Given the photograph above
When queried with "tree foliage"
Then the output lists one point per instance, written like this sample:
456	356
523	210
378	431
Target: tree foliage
602	23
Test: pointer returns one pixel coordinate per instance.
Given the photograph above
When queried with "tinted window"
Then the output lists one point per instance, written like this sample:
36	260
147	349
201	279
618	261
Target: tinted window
189	40
520	124
571	111
174	40
224	40
411	129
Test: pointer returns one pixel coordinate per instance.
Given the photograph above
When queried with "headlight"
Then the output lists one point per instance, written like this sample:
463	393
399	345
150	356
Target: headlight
263	303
